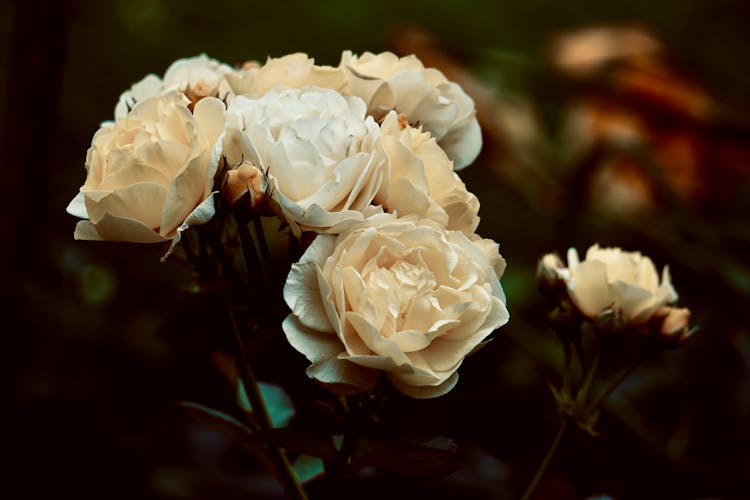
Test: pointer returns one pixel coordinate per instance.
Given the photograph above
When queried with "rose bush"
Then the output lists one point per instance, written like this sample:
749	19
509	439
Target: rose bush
150	173
402	297
422	180
320	153
611	280
387	82
196	77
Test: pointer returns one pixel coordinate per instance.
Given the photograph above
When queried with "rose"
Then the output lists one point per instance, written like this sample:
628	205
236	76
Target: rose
293	70
196	77
386	82
422	180
404	297
319	151
611	281
150	173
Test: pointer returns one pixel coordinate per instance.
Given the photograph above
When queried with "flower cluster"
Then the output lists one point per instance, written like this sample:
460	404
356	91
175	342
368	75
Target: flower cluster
363	156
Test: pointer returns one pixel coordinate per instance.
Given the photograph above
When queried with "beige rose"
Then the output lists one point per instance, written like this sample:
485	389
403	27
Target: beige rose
321	154
293	70
151	172
196	77
401	297
386	82
422	179
611	280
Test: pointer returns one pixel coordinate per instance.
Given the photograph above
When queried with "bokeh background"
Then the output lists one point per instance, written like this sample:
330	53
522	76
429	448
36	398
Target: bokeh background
636	134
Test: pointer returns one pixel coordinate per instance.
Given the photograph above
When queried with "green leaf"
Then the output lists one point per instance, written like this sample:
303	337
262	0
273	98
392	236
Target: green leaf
278	403
213	416
307	467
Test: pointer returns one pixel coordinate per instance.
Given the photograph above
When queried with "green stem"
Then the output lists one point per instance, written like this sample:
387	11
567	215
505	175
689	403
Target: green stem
262	243
292	485
250	253
587	383
566	369
547	458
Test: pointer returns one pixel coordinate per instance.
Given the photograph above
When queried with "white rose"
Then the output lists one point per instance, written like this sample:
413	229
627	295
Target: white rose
401	297
293	70
422	179
386	82
319	151
610	279
150	173
196	77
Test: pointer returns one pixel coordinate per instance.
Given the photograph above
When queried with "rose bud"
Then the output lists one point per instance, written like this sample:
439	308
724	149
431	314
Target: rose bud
244	189
550	274
675	329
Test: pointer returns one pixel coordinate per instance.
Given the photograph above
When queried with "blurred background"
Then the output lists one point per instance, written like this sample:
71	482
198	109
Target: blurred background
625	124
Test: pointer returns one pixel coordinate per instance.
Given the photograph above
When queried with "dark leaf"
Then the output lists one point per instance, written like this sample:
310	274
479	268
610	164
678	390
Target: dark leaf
215	417
436	457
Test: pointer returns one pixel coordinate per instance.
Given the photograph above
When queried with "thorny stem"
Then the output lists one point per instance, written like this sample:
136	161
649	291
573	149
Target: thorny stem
291	483
547	458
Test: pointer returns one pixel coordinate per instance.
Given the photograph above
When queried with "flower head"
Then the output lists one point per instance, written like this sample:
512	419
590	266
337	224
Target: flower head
387	82
319	150
402	297
196	77
150	173
611	281
422	180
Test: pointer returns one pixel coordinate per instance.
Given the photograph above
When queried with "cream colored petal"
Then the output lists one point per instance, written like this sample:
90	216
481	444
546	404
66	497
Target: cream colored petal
150	86
315	218
343	377
664	295
631	300
405	198
322	350
463	144
592	291
301	291
77	206
141	201
573	259
374	339
134	173
362	85
186	191
201	214
113	228
315	345
238	148
209	113
424	392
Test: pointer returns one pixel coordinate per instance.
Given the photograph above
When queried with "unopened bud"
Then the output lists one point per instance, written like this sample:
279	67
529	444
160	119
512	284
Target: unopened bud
550	274
244	189
675	328
197	92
